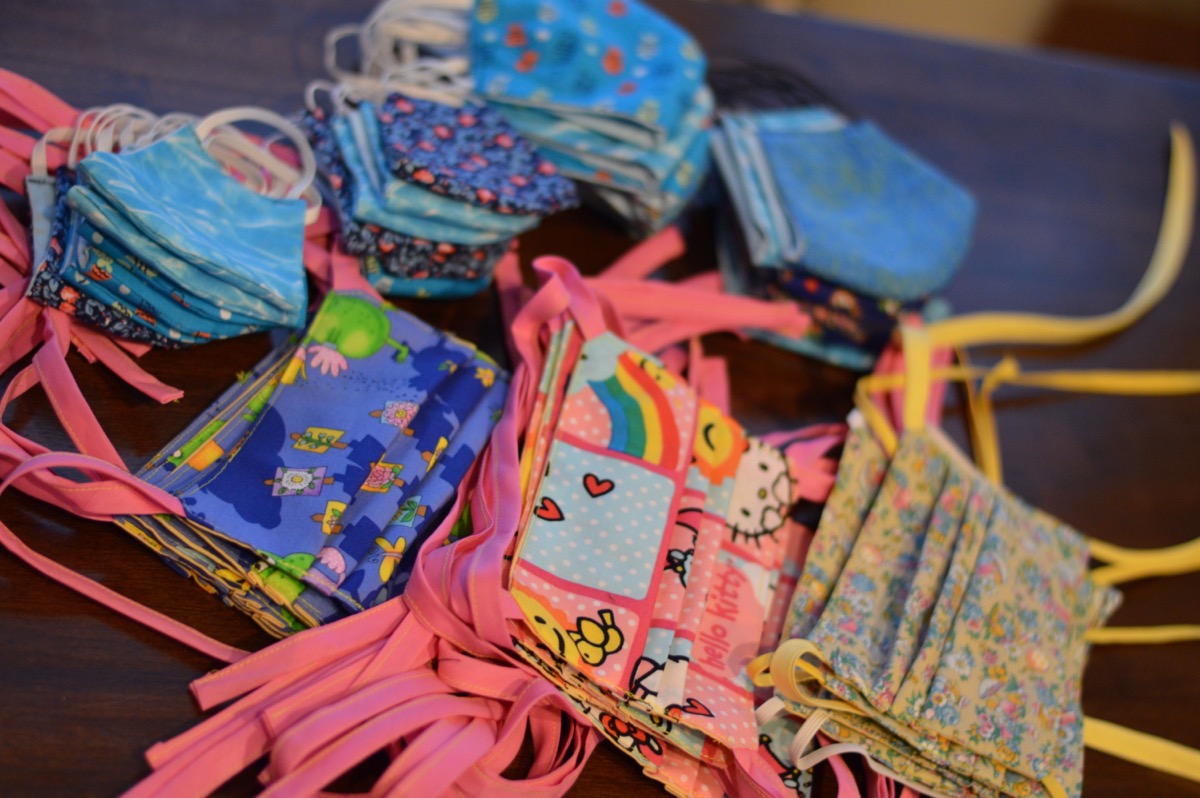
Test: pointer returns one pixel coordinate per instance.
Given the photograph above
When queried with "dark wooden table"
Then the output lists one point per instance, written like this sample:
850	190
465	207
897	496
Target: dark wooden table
1066	157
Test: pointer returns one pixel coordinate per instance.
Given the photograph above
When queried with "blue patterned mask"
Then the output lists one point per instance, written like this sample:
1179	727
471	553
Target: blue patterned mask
395	263
323	472
146	247
616	67
836	215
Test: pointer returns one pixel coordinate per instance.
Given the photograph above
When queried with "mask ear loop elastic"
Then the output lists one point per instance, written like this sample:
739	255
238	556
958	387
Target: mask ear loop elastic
395	31
445	81
300	183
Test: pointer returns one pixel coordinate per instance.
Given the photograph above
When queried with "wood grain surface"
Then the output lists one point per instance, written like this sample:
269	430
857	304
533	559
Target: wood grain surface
1065	155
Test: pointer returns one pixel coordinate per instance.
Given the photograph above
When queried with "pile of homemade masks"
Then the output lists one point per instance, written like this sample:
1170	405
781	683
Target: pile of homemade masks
836	216
651	544
939	626
612	92
431	195
151	238
311	483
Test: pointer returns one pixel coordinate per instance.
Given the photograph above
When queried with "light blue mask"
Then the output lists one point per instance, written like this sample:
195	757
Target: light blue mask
175	196
843	201
614	66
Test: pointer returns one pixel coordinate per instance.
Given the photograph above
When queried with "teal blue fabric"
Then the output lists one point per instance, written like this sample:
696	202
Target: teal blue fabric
168	265
864	211
119	284
615	66
174	194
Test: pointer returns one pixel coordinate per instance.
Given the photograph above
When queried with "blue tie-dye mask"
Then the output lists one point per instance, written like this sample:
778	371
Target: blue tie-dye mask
160	245
319	476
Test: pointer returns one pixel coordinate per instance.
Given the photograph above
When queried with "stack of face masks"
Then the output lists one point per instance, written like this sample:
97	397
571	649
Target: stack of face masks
430	195
833	214
939	626
158	244
310	484
652	541
612	92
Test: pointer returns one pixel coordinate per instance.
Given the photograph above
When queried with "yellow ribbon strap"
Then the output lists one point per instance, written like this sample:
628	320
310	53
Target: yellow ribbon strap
1141	635
1141	748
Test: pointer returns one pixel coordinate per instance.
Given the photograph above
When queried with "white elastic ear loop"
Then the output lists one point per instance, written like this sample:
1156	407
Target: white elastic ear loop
38	165
164	126
308	163
233	152
445	81
108	128
394	32
332	38
807	731
301	184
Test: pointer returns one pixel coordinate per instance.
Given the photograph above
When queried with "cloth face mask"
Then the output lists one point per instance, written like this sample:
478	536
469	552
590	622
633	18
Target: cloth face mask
620	69
175	195
471	153
949	618
144	272
395	263
331	465
650	636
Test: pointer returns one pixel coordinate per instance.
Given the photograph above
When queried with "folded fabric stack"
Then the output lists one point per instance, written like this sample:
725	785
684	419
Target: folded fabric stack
310	484
430	195
939	626
612	92
160	245
836	216
654	535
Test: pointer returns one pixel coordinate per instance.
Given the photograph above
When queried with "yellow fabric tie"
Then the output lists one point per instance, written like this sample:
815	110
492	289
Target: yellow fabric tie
1122	564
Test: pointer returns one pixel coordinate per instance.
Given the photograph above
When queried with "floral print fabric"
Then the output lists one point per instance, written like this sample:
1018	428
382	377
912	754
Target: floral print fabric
407	265
953	615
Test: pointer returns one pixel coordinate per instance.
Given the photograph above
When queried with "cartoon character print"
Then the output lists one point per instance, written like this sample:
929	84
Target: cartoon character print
200	451
549	626
348	327
647	674
383	477
409	513
630	737
431	457
679	561
318	440
299	481
762	493
389	557
718	444
596	640
592	641
792	777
